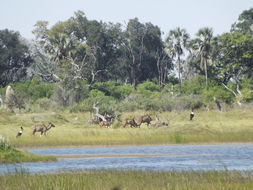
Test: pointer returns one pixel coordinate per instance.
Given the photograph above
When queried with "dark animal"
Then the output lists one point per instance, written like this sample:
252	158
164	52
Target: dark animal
41	128
130	122
191	115
146	119
20	132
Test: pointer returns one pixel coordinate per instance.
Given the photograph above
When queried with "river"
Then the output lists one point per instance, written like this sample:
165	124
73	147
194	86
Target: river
163	158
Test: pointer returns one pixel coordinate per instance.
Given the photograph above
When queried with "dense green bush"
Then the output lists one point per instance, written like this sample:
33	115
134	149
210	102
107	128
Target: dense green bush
107	104
147	88
114	98
96	93
113	89
34	89
220	93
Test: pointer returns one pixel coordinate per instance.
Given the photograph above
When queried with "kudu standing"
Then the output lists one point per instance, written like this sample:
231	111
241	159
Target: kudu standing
130	122
41	128
146	119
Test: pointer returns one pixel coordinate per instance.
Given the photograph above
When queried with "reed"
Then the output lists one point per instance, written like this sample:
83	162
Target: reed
76	130
128	179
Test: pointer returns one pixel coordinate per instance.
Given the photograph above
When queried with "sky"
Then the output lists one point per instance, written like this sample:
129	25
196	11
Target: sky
22	15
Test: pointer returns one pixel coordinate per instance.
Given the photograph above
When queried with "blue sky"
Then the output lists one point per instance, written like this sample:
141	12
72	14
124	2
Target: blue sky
21	15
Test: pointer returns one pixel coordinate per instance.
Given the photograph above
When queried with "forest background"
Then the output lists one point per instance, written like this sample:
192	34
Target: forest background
78	62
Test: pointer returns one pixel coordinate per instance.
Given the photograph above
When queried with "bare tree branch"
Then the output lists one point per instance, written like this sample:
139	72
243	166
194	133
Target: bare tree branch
97	111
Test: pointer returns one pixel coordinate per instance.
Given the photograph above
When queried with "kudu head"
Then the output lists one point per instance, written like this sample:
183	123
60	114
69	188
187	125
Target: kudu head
51	125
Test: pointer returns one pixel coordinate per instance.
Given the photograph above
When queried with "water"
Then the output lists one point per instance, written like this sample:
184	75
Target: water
180	157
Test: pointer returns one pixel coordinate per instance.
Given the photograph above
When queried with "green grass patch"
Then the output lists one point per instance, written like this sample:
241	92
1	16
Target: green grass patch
8	154
127	179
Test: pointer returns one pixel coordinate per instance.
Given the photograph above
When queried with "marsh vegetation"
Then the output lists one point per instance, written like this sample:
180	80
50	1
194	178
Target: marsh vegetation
126	179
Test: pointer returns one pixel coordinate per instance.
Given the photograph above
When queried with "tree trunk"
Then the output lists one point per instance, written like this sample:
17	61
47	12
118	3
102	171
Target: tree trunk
179	75
206	75
97	112
236	95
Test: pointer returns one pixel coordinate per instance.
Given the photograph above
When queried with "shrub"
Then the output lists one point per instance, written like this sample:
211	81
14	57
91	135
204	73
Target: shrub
147	88
113	89
182	103
4	144
220	93
16	100
248	95
35	89
96	93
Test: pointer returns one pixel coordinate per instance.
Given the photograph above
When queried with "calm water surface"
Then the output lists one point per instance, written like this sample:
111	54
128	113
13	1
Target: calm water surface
180	157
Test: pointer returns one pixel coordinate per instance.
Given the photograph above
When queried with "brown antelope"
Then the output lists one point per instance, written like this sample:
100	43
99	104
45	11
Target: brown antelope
146	119
130	122
105	123
160	124
41	128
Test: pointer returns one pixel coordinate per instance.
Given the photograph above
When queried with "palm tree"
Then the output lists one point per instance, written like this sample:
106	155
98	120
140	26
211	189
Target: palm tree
176	42
203	43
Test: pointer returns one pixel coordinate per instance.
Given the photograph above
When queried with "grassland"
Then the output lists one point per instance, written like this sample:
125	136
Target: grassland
17	156
138	180
8	154
75	129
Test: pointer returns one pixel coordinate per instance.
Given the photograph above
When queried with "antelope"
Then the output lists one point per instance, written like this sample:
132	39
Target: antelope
146	119
156	125
106	123
130	122
41	128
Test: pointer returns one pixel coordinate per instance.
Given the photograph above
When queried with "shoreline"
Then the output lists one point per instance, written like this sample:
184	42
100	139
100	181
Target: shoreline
127	145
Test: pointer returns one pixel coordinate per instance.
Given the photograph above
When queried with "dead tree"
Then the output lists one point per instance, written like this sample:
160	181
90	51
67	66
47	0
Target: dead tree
99	116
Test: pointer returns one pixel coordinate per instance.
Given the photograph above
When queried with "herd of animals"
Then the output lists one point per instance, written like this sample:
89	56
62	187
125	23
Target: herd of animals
128	121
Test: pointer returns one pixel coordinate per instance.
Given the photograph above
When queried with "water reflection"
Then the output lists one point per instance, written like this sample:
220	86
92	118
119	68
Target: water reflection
180	157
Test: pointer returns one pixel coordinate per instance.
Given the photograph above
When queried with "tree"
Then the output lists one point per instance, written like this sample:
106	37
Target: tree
164	65
134	48
203	44
245	22
234	61
14	57
176	42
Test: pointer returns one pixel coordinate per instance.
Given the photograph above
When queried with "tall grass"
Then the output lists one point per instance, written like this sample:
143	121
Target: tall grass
75	129
127	179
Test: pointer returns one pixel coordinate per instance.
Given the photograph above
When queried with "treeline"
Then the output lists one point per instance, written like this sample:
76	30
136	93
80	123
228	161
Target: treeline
80	59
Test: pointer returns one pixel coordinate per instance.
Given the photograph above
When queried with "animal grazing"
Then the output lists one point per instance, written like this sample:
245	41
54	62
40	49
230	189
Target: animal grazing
146	119
41	128
130	122
160	124
191	115
20	132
